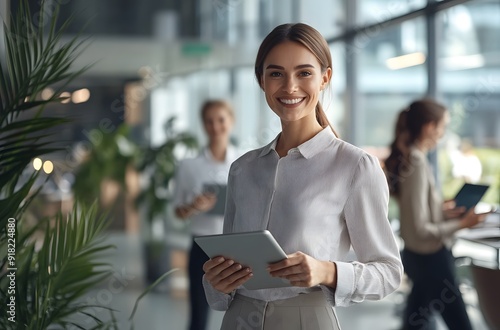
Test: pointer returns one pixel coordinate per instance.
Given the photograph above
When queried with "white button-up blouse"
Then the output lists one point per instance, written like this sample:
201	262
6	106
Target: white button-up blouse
322	198
191	175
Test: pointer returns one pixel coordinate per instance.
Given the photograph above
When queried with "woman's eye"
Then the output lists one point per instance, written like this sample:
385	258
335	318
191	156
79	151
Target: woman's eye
275	74
305	73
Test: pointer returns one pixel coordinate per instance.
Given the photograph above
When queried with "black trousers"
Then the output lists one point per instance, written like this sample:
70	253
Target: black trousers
198	303
434	291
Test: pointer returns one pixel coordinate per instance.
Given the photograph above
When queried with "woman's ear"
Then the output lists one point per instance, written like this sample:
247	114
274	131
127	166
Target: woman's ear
326	77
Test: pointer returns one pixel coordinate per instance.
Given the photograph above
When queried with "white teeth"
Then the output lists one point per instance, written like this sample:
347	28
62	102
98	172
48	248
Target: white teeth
291	101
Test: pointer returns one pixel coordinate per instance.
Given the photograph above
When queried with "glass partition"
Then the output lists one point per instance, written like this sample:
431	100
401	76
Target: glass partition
391	73
378	11
469	82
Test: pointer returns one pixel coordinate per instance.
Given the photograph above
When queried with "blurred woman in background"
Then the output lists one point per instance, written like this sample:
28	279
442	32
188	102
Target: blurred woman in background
192	201
427	224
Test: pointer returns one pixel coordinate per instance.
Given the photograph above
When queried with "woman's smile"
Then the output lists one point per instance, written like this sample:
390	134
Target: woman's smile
292	84
291	102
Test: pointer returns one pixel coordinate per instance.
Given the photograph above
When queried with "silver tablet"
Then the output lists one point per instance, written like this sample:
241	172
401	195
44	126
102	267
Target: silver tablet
253	249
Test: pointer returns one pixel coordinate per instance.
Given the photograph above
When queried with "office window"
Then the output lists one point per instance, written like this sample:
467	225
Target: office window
334	103
469	82
191	92
391	73
252	115
327	16
165	102
378	11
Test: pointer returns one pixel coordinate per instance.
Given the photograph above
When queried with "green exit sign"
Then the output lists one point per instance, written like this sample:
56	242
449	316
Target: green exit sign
196	49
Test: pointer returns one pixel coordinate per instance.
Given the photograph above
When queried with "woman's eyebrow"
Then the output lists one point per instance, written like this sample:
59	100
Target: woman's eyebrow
278	67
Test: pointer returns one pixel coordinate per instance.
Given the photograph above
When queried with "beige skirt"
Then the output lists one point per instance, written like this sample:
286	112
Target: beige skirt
306	311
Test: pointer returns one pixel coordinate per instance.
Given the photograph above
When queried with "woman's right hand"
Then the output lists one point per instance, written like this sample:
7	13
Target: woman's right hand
225	275
204	202
450	210
201	203
470	219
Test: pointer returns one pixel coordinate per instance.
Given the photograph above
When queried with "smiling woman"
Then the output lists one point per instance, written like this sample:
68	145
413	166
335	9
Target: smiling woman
316	194
292	88
312	62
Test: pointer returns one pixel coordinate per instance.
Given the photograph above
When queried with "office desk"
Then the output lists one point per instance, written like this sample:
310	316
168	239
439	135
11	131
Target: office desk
482	246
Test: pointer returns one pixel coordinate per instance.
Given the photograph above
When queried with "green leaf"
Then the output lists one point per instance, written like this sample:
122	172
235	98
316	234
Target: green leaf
8	205
149	288
34	61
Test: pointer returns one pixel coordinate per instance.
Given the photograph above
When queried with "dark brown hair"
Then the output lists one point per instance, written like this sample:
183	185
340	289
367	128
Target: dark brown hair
308	37
218	104
409	126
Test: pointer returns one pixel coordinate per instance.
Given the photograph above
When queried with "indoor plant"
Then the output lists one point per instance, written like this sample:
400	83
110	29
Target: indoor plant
108	161
48	281
157	166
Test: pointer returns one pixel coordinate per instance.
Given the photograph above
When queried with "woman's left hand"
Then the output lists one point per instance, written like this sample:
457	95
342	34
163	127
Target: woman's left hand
450	210
305	271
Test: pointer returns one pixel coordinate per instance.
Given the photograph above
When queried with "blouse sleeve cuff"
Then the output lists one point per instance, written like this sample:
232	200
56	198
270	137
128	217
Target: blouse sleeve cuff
217	300
341	295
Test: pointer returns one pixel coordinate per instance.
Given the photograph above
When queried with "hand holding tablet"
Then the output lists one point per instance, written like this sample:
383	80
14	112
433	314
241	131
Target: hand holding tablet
469	195
250	250
219	191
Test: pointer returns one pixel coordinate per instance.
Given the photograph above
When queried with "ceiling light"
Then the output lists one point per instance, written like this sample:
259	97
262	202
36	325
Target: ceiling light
80	96
405	61
37	164
48	166
47	93
463	62
66	96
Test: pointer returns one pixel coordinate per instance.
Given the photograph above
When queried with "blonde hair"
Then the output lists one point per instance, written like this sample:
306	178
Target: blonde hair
216	104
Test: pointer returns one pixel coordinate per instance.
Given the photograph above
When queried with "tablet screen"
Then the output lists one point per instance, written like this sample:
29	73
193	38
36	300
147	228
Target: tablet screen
219	190
470	194
253	249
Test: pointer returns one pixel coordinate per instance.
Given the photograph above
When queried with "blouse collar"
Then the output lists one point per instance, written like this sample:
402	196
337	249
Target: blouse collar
309	148
230	154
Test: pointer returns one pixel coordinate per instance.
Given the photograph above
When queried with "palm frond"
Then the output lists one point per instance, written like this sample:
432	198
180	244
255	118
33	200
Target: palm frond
35	61
148	289
13	199
68	265
51	281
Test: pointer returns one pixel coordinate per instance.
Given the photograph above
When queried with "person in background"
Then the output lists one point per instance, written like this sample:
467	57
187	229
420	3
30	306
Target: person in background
192	201
318	196
465	163
427	224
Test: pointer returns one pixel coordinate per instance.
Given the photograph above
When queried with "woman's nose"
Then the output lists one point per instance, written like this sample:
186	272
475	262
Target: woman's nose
290	85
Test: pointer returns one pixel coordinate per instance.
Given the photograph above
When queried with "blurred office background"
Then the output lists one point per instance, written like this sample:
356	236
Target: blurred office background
156	59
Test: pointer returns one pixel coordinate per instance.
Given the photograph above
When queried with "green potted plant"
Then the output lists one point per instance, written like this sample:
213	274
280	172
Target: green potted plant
110	157
157	165
42	284
104	168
